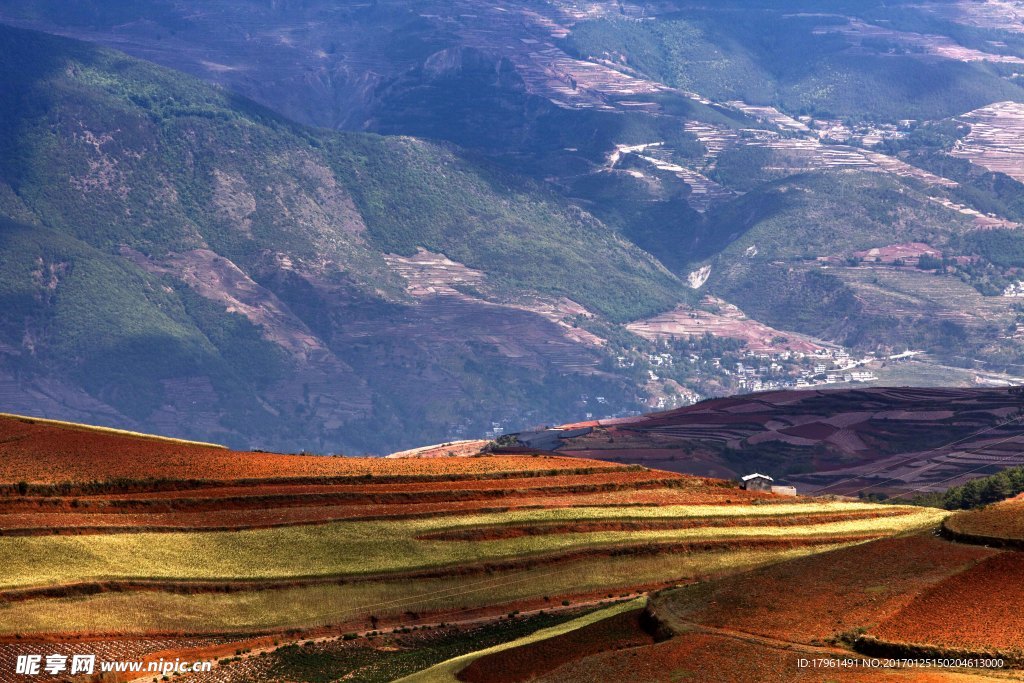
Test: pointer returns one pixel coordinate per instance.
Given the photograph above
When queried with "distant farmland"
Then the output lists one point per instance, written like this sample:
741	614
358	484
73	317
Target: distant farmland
877	440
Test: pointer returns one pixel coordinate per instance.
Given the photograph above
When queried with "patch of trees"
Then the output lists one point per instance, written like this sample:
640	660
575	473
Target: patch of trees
976	493
1001	247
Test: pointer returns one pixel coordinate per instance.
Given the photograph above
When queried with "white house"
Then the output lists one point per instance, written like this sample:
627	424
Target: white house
757	482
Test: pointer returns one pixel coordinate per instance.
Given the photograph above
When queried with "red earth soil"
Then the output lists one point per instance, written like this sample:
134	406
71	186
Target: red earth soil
46	453
1002	521
492	483
816	598
979	609
627	477
63	518
713	658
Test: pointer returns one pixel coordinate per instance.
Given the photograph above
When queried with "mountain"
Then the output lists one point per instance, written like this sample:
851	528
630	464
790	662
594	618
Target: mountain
179	257
573	212
305	225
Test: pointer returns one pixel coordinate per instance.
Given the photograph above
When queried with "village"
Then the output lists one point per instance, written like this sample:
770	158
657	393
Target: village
693	370
683	371
754	371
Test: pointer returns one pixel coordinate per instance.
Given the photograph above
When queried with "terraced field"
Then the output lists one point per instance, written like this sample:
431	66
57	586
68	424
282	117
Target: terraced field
997	525
975	611
839	593
914	293
758	625
882	439
249	545
47	452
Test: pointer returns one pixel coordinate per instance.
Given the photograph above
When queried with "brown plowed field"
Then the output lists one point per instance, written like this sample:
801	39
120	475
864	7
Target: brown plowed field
817	598
755	627
836	441
977	610
1000	523
722	658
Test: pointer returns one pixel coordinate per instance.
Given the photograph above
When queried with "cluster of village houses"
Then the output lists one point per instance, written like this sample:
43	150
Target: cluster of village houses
829	366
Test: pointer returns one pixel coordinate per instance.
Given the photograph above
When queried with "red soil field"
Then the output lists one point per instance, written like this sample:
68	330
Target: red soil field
714	658
72	520
1004	521
251	490
629	478
978	610
815	598
529	661
49	454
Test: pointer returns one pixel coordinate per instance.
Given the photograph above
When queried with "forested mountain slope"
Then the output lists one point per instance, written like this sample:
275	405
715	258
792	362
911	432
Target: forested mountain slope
178	257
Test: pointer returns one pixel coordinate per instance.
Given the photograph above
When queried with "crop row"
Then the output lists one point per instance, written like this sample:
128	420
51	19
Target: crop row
401	600
355	548
67	519
286	496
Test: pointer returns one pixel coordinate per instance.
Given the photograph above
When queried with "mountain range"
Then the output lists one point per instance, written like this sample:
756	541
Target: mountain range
286	224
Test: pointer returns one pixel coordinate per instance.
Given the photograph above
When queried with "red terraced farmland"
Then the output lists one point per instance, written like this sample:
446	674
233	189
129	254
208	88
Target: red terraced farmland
816	598
357	491
48	453
978	609
293	489
70	519
265	505
724	658
1002	522
626	478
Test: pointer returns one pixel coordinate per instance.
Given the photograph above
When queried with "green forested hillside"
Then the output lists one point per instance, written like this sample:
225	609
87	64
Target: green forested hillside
162	157
268	283
767	55
158	228
828	213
